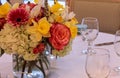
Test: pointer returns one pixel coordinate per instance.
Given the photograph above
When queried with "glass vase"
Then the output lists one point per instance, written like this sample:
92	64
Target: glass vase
30	69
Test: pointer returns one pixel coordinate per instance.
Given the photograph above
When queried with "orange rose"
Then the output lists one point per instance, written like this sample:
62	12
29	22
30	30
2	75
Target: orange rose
60	36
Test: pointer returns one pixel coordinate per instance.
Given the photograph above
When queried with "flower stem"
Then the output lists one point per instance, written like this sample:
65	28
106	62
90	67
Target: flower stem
47	13
23	69
29	67
41	64
17	62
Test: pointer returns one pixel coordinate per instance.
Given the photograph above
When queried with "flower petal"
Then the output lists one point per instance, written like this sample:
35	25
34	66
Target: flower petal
73	28
44	26
4	9
56	7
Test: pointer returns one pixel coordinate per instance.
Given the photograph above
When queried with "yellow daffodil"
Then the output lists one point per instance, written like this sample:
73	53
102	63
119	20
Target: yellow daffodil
58	18
56	7
35	34
74	21
40	29
73	28
4	9
36	1
43	26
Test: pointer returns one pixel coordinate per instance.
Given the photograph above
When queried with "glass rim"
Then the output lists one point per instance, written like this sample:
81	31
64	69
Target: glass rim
107	52
90	18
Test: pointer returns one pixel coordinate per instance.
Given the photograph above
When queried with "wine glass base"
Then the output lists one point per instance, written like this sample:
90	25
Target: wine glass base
115	73
84	51
117	69
88	51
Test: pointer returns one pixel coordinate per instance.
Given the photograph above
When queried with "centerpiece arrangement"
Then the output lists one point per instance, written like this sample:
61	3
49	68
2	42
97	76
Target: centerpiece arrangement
29	30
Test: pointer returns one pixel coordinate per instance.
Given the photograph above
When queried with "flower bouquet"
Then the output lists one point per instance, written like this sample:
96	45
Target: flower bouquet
29	30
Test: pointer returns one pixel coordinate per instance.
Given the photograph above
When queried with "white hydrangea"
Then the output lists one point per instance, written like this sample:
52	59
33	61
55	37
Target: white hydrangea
16	40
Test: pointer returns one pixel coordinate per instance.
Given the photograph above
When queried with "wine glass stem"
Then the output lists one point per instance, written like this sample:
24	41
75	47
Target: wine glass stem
90	46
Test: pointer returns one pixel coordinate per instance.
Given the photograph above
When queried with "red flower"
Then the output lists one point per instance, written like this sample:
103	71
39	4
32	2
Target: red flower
22	5
35	50
60	36
18	16
39	49
2	22
31	5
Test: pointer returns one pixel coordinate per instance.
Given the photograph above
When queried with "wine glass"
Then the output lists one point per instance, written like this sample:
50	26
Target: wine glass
89	32
97	64
117	47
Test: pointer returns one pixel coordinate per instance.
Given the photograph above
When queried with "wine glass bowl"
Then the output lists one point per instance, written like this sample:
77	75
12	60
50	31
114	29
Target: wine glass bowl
91	31
97	64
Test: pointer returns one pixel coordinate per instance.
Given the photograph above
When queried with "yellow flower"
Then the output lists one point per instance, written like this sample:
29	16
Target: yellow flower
74	21
39	29
58	18
43	26
4	9
73	28
56	7
36	1
35	34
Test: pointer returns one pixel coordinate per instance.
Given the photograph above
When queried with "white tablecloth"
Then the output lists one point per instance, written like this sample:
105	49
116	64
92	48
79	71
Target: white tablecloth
72	65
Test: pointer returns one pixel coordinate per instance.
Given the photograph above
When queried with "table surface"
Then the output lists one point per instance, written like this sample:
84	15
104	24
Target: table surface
73	64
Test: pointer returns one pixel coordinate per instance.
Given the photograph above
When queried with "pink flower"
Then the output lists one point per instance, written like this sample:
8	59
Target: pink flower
60	36
18	16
